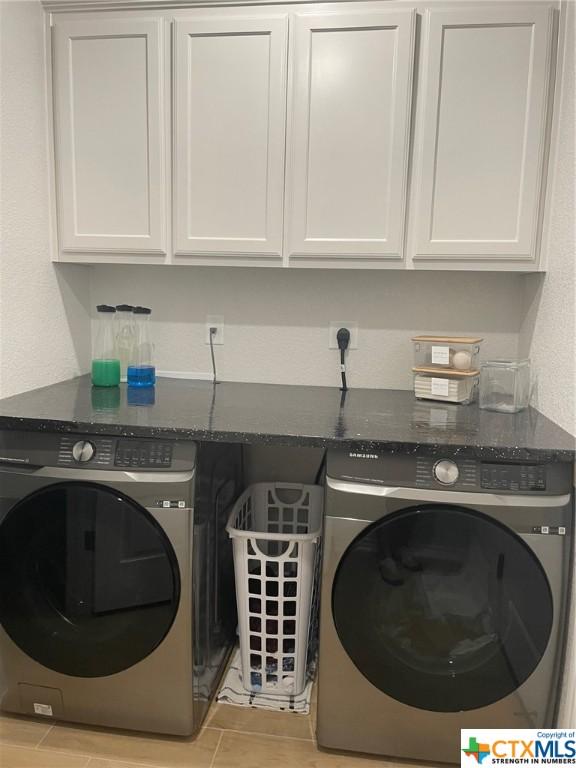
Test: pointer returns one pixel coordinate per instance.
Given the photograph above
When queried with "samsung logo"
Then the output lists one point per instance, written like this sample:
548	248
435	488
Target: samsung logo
363	455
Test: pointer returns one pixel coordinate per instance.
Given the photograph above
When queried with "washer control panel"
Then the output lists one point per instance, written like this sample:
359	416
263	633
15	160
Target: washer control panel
133	453
100	452
513	477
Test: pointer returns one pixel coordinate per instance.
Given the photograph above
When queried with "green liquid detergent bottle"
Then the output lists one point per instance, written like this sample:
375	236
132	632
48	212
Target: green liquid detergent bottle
105	362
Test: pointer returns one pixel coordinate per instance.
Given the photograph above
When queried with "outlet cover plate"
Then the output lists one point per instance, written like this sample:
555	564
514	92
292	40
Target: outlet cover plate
215	321
335	326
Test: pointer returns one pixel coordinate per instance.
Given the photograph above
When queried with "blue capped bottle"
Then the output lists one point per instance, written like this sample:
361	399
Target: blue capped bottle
141	370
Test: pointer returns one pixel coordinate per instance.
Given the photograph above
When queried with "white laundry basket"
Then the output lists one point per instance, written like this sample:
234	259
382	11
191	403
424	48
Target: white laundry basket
276	530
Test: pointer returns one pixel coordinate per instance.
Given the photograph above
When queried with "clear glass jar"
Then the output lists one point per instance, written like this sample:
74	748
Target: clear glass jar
125	337
505	385
141	371
105	363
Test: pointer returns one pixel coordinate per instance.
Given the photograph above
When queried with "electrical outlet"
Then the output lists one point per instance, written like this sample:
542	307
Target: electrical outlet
215	321
335	326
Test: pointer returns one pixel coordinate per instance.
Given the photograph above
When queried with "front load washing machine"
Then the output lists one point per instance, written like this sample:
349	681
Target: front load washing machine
111	577
444	600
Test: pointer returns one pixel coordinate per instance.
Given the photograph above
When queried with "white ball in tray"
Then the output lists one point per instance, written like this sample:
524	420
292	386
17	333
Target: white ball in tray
462	360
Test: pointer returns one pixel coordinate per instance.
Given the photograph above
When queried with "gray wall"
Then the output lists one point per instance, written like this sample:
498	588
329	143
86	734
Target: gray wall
276	321
44	309
549	309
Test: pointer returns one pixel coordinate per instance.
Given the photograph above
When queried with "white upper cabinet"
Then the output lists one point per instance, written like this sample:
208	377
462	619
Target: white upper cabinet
109	135
349	135
283	135
230	115
481	133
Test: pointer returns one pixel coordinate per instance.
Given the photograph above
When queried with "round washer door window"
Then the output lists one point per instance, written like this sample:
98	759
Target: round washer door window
442	608
89	583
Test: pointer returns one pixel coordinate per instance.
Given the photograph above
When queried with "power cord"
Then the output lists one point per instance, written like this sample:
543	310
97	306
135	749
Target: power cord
213	332
343	339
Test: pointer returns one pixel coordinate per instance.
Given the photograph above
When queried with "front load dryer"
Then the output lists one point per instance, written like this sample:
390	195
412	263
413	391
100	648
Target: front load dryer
108	571
444	600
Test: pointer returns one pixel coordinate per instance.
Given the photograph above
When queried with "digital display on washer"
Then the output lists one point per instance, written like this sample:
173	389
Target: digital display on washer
132	453
513	477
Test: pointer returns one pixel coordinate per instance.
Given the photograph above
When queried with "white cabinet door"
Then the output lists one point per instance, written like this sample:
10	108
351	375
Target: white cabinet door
230	112
481	132
349	136
109	135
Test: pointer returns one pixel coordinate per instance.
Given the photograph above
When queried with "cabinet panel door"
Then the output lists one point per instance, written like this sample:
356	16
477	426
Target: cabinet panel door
351	96
482	131
109	135
230	111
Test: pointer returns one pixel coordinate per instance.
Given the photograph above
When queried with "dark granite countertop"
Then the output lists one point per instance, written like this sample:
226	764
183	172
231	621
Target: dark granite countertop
366	419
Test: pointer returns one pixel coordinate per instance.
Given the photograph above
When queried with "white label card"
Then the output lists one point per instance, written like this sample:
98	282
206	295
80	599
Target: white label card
440	355
440	387
43	709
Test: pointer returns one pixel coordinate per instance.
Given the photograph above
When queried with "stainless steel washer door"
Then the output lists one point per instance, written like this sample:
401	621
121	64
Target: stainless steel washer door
89	582
442	607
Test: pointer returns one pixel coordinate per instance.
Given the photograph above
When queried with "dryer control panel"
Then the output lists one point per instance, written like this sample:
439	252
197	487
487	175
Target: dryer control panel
116	453
513	477
451	470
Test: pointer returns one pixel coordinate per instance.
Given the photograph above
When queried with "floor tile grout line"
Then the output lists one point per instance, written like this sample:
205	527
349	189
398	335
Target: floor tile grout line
125	761
50	729
213	761
30	748
259	733
38	746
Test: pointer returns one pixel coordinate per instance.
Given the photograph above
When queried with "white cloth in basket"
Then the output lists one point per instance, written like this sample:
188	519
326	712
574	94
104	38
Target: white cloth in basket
233	692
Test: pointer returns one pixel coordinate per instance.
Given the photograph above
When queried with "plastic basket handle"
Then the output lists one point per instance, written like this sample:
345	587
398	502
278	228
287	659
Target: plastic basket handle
277	493
283	556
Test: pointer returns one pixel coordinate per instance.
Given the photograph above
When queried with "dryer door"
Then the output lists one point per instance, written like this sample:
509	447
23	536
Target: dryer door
442	608
89	582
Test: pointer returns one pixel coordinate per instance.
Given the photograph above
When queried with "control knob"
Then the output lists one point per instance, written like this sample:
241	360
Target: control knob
83	451
446	472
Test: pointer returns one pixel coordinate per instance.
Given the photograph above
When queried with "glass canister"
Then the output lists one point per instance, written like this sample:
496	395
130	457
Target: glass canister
459	387
105	363
505	385
125	337
459	353
141	371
